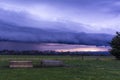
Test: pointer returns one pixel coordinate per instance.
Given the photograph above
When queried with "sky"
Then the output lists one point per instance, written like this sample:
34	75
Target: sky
51	46
92	16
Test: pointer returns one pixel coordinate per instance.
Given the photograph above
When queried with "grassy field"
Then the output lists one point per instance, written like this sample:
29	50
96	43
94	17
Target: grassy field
91	68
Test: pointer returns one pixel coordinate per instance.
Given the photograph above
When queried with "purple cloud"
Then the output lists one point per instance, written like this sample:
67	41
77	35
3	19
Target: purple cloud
94	16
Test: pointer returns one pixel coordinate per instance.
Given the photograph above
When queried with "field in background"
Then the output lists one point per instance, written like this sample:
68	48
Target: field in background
78	68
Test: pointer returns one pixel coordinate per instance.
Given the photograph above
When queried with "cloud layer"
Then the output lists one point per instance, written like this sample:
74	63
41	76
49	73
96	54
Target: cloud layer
96	16
59	21
12	32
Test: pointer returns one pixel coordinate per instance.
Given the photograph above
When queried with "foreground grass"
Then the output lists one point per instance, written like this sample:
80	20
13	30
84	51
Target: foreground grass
77	69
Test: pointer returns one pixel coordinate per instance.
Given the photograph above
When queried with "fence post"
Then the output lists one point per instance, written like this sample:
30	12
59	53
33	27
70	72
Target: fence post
82	57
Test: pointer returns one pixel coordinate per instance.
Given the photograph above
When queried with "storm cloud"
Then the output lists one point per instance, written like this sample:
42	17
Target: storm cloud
93	14
63	21
14	33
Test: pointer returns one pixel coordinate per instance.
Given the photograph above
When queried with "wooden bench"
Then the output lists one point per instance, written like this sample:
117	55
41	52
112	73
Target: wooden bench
20	64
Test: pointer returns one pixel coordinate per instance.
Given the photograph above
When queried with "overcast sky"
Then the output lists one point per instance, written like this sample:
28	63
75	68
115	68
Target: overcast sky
96	16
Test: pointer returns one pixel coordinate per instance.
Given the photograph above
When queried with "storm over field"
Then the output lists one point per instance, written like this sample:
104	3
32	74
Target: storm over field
80	22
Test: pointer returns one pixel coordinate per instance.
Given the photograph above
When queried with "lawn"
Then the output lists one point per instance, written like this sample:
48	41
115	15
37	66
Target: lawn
91	68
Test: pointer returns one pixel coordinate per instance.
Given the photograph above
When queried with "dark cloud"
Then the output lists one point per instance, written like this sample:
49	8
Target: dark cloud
22	19
37	24
86	14
115	9
9	32
68	2
109	5
13	17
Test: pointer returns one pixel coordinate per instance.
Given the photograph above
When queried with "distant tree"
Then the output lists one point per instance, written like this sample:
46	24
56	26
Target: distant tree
115	44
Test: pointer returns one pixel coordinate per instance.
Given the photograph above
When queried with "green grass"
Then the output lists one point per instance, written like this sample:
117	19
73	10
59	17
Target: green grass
106	68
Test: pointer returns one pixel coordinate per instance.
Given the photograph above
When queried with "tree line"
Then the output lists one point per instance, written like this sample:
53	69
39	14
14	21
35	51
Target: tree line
35	52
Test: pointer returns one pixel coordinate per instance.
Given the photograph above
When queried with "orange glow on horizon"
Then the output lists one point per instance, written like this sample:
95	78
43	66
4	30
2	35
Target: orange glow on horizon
82	50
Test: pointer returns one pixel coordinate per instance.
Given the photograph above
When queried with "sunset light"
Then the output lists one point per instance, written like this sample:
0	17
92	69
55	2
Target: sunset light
83	50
